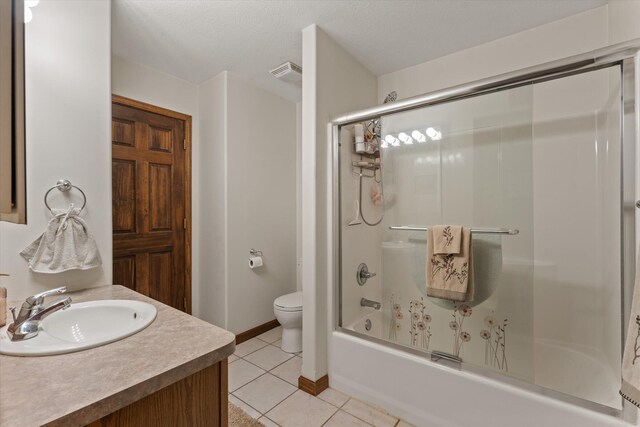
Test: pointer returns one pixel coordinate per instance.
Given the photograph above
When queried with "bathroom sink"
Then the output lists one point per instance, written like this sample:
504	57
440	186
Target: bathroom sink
81	326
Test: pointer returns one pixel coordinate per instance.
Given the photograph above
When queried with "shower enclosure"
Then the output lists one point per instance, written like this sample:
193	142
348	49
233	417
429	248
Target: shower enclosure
541	166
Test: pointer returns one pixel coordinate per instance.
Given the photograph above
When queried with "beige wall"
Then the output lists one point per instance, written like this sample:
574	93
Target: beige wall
575	34
261	201
247	200
299	195
624	16
212	101
68	115
333	82
148	85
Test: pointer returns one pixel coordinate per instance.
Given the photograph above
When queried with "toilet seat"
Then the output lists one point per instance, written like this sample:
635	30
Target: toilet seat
289	302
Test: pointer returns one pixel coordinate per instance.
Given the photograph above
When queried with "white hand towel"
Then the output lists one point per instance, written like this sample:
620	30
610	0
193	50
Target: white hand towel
65	245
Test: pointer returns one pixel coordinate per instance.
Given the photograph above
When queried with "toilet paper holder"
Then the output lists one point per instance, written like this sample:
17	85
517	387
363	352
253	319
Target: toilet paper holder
255	261
255	252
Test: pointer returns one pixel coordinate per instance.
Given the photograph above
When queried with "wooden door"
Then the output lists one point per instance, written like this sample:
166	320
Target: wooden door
151	201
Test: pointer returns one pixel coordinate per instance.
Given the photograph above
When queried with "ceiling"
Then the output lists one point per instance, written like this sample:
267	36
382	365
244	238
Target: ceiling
195	40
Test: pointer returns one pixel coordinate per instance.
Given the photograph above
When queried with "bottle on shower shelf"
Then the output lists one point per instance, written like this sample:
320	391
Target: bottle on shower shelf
360	143
371	147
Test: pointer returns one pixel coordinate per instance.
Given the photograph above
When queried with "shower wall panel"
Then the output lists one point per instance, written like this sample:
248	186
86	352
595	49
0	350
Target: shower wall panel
360	243
576	158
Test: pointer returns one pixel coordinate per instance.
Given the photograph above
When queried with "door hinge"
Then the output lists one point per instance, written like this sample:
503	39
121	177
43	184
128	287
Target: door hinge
184	223
185	303
184	144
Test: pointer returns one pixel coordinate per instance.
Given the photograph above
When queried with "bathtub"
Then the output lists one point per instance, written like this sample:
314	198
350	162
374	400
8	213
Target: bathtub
557	365
369	324
425	393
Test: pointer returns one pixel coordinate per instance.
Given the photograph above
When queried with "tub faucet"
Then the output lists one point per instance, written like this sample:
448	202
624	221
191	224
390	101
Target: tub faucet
26	324
368	303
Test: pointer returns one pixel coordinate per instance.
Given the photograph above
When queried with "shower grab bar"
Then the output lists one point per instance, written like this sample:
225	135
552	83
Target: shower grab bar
507	231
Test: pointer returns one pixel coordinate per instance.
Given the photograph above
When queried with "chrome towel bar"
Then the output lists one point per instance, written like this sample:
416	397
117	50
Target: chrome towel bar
508	231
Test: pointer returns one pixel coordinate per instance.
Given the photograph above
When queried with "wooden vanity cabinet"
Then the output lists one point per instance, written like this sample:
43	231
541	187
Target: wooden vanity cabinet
197	400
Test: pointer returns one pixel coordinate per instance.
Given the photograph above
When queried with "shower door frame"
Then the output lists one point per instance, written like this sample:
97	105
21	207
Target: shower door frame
625	55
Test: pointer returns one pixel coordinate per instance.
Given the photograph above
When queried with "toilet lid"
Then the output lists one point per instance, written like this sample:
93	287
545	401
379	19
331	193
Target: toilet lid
289	302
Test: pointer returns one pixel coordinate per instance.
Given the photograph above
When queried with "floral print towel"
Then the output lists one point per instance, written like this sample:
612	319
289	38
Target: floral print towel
450	276
447	239
630	388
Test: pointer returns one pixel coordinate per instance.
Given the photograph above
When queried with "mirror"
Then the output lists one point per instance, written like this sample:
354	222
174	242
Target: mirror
12	122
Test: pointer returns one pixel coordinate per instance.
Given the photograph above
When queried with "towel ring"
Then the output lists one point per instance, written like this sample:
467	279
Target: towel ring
64	185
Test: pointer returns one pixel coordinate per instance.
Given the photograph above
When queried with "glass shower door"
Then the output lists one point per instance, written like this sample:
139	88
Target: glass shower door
543	159
466	162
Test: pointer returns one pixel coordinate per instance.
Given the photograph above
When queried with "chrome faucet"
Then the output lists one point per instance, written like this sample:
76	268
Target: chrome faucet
33	304
368	303
25	324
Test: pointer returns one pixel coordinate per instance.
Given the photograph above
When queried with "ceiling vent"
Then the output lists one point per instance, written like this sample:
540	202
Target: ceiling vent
288	72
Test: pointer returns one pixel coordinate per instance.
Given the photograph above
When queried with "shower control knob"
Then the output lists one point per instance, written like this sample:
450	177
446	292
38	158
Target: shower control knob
363	274
638	204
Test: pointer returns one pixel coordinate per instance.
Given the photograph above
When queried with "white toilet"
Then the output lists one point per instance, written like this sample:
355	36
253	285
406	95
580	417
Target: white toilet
288	311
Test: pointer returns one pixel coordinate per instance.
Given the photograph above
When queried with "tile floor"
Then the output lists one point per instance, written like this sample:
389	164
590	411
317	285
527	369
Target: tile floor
263	382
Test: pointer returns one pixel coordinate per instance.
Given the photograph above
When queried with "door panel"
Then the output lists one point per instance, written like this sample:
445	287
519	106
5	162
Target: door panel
160	274
160	197
161	140
124	271
124	196
122	132
149	204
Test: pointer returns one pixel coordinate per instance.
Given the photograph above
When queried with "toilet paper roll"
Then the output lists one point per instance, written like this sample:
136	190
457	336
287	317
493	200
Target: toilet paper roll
255	262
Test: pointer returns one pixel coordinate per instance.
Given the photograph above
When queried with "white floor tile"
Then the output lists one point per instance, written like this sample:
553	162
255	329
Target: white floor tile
241	372
246	408
289	370
265	392
404	424
233	358
272	335
334	397
249	346
279	345
369	414
267	422
302	409
343	419
268	357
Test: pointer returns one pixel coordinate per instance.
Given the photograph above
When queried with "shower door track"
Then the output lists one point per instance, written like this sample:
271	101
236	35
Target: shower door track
589	61
627	56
